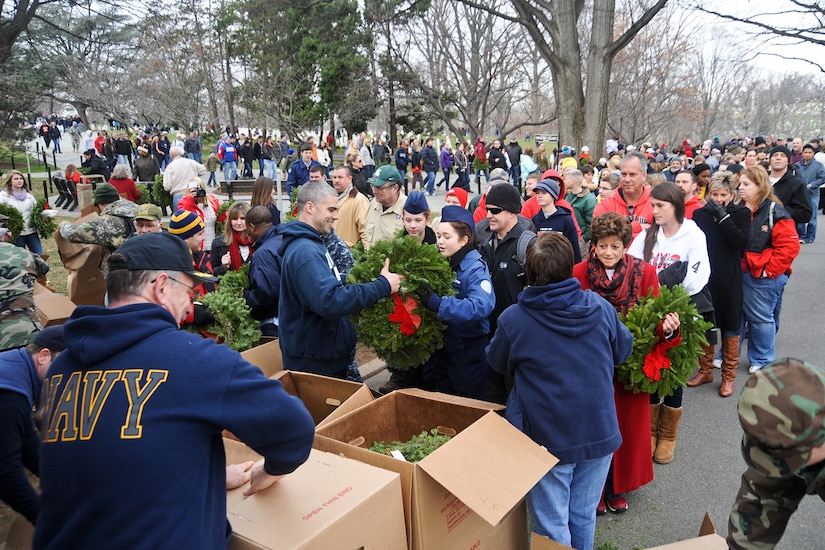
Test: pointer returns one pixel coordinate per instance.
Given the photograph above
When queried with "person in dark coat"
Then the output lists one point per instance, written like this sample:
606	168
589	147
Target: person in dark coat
788	187
727	228
95	164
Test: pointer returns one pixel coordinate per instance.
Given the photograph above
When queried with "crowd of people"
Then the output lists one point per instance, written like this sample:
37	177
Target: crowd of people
556	241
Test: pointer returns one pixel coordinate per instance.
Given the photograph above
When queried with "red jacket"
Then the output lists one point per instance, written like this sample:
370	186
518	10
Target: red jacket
775	258
642	211
189	204
692	204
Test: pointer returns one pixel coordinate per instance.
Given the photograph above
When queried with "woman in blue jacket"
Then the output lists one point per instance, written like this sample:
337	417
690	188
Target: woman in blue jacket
459	367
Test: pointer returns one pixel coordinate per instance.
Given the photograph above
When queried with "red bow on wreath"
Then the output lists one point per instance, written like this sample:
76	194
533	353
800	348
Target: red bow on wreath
656	360
403	313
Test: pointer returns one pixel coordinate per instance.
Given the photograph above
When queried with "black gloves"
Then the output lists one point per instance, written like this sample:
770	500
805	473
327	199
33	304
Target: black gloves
428	297
717	211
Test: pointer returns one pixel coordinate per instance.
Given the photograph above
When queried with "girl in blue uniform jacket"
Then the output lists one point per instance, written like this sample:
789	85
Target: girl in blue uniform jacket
459	367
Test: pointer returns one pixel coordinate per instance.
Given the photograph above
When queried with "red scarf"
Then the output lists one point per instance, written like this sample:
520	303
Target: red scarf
623	290
235	258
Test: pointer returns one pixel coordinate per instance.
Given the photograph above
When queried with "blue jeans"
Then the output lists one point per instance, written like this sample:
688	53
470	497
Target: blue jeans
230	171
430	183
759	303
270	168
446	178
30	241
123	159
807	231
563	503
213	181
175	200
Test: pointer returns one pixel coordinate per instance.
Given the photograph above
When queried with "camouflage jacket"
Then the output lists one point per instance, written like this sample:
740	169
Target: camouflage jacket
782	412
109	230
18	317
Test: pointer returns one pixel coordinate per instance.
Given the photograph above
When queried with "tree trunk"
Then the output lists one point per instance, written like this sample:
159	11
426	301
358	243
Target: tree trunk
599	66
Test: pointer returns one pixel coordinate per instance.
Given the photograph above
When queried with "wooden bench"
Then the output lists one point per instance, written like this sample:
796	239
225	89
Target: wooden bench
244	187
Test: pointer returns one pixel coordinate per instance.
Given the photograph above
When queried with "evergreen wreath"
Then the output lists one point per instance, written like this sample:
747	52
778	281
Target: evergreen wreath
400	329
45	227
292	214
221	215
15	222
143	193
234	325
662	367
161	195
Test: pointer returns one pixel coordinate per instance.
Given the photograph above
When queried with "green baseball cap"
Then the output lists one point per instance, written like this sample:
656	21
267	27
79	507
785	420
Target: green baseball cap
385	174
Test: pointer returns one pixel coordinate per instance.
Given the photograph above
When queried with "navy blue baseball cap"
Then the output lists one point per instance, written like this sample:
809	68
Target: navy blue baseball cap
416	203
453	213
156	252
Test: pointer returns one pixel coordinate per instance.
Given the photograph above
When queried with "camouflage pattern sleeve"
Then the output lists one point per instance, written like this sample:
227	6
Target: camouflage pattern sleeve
19	321
107	231
762	509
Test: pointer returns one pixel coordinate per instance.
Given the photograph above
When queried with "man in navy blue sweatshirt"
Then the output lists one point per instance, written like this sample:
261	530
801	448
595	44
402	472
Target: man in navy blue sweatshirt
21	375
132	414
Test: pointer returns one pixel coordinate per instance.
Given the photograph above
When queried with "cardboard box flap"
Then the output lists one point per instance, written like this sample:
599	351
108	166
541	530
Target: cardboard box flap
506	465
325	398
707	539
266	357
454	399
708	528
538	542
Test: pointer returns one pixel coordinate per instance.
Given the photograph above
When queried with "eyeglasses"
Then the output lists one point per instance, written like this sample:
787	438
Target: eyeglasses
192	290
494	210
385	187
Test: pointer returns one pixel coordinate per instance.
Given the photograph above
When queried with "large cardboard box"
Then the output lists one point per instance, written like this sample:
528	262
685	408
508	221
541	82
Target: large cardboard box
329	502
470	492
85	282
266	357
53	308
707	539
326	399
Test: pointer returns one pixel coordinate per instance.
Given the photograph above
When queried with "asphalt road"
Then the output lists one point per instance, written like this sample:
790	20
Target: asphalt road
705	474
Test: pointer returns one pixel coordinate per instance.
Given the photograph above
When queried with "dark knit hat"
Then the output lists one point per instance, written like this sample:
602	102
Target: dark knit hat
185	224
51	338
548	186
453	213
504	196
781	149
106	194
782	411
416	203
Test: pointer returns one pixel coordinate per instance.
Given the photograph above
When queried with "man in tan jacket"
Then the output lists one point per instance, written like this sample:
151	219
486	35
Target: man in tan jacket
352	208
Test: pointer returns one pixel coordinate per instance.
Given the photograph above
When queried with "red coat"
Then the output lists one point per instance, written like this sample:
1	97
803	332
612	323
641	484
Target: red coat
692	204
188	203
126	187
531	208
632	463
642	211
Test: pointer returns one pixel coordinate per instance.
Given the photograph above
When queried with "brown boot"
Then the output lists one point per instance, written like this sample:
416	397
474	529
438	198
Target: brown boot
705	374
654	426
730	360
668	430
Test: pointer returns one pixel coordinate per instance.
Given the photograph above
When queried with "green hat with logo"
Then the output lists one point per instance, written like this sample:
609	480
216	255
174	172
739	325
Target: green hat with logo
385	174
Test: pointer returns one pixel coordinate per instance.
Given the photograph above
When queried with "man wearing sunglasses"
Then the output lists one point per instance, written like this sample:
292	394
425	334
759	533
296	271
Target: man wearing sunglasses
502	239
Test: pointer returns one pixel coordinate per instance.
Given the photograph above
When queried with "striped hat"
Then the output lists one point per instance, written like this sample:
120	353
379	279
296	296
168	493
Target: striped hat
185	224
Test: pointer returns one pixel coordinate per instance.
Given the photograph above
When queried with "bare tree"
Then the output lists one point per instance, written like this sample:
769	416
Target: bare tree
787	23
581	78
462	64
